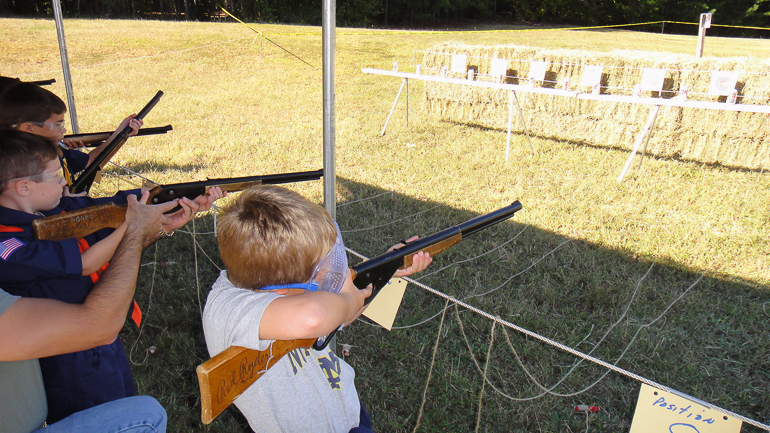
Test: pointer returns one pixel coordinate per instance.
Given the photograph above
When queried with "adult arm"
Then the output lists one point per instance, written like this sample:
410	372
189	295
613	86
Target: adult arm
34	328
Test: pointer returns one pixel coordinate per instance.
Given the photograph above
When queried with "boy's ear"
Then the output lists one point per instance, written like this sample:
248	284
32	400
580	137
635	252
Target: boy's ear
26	127
22	188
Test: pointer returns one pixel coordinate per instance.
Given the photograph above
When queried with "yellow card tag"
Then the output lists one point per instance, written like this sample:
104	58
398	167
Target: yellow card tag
384	307
662	412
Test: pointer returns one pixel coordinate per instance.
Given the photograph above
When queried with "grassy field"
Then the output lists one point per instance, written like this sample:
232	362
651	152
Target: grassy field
607	268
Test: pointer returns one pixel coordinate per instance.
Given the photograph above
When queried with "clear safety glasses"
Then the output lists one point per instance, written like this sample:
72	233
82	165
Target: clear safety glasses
330	273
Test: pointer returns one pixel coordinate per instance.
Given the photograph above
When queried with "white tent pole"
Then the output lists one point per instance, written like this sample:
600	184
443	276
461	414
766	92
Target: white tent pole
65	66
329	31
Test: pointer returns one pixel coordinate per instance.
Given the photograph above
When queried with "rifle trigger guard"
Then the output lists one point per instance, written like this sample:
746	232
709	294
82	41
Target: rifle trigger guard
321	344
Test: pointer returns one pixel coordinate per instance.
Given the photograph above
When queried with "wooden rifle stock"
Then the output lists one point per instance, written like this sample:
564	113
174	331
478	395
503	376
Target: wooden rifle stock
231	372
79	223
225	371
82	222
94	139
89	175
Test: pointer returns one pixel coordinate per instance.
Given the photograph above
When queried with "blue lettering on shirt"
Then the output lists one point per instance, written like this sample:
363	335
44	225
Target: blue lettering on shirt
298	358
331	368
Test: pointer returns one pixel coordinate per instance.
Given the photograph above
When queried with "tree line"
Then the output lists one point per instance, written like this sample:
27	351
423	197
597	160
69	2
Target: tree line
414	13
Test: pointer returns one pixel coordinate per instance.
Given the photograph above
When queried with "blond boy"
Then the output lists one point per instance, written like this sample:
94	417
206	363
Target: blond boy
287	278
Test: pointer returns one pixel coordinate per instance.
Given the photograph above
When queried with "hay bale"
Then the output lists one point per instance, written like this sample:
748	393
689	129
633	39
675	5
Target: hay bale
736	139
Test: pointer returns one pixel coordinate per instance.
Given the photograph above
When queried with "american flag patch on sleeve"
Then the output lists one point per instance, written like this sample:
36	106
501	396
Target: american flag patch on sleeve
8	246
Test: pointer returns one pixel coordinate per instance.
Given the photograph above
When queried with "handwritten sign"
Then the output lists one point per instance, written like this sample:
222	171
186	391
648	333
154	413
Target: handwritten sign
662	412
592	76
384	307
459	62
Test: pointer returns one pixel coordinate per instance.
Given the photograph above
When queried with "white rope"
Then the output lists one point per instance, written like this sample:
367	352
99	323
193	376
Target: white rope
610	367
390	223
425	275
347	203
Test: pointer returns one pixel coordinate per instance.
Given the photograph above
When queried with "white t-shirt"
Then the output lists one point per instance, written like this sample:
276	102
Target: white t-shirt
307	390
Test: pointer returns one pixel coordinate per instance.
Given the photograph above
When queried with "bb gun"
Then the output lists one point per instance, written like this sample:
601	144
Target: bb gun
92	172
94	139
228	374
82	222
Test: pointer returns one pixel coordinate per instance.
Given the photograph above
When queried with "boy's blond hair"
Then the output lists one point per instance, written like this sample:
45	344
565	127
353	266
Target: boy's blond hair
23	154
273	236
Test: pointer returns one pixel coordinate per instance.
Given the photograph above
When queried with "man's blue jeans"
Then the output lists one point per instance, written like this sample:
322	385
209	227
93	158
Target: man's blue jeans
139	414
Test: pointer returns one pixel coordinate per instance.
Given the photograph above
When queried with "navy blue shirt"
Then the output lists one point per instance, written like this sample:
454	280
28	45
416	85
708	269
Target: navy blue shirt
52	269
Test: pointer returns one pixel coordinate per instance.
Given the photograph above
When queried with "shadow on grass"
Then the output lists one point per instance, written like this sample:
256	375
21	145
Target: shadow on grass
624	150
149	167
711	344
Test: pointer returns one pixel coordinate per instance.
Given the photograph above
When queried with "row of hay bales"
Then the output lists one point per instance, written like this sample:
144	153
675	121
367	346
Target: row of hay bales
735	139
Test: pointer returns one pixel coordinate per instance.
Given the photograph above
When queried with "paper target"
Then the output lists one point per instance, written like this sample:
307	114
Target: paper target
459	62
722	83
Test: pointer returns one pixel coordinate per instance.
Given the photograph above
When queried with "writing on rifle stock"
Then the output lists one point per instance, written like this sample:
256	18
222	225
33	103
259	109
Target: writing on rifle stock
249	368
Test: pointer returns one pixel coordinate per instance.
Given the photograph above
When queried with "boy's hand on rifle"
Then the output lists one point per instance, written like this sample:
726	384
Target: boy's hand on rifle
73	144
135	124
206	201
67	192
358	296
420	261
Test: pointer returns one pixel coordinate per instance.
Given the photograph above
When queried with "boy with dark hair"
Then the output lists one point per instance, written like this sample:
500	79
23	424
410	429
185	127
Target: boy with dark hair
287	278
7	81
31	108
31	187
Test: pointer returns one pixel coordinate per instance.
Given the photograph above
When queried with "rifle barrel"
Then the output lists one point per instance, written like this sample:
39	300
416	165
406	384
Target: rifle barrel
465	229
86	179
94	139
194	189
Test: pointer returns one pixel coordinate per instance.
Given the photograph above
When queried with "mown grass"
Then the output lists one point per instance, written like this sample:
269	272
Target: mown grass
567	266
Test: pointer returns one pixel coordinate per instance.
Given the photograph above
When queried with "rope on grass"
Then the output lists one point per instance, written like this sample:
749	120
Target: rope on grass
347	203
425	275
146	314
486	366
583	356
391	222
430	371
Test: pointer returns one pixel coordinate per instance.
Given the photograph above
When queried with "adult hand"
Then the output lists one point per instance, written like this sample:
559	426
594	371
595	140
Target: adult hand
182	216
146	220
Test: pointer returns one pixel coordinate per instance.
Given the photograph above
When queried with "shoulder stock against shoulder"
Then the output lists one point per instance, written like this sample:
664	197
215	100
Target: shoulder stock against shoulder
79	223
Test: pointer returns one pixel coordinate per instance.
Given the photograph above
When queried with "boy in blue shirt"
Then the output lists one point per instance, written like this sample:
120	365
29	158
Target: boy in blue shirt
31	108
31	187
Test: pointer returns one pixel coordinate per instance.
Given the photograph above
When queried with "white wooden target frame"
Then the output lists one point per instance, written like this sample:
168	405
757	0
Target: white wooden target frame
591	79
